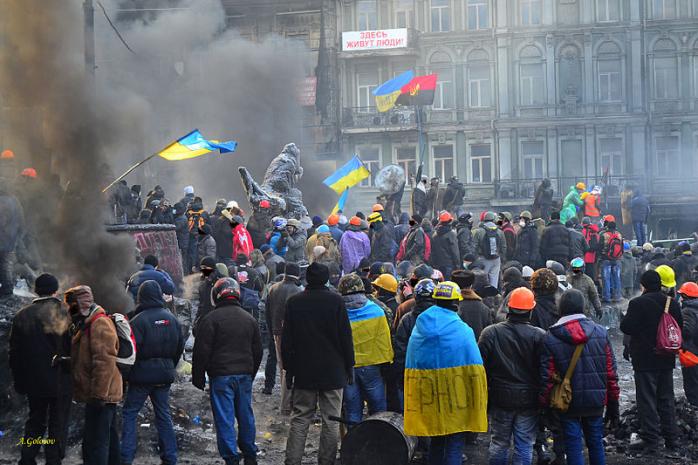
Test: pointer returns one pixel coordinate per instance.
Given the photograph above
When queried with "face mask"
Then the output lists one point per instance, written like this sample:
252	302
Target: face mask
412	222
577	271
499	222
522	224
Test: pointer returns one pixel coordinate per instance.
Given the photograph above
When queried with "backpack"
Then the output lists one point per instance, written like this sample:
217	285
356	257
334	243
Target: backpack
613	249
195	220
126	355
427	247
561	394
669	338
488	244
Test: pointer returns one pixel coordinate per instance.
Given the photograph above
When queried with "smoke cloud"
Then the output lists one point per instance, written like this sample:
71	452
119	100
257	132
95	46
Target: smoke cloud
188	71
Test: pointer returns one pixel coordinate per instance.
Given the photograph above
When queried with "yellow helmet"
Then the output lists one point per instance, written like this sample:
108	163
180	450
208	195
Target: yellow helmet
666	274
373	217
447	290
386	282
581	186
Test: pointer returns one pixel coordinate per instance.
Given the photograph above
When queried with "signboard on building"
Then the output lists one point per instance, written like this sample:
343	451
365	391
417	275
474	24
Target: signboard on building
306	91
374	40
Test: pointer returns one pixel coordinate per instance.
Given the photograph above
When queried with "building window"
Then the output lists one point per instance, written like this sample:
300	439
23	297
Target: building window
440	15
611	151
440	64
481	163
404	13
366	15
667	155
406	157
478	14
663	9
531	77
371	156
533	159
479	83
666	85
609	81
695	7
366	81
530	12
607	11
695	71
443	161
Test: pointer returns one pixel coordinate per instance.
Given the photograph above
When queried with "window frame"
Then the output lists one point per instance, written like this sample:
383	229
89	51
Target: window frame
532	84
409	14
404	162
653	9
466	15
674	86
671	160
479	159
609	98
359	14
447	8
441	173
619	4
369	92
369	163
482	84
620	154
530	4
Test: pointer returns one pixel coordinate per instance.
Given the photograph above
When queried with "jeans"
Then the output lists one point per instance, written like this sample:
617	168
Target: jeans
56	410
655	405
447	450
368	386
305	402
135	398
591	430
286	395
231	399
270	366
639	230
492	267
610	270
522	425
100	443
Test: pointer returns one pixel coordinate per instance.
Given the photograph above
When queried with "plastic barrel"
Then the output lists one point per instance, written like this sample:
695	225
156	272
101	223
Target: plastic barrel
378	440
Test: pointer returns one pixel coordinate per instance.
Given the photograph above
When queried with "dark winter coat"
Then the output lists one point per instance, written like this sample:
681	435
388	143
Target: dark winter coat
689	312
227	343
296	246
11	222
182	229
555	242
223	235
445	255
545	314
206	247
465	239
403	228
627	270
39	332
205	304
639	208
383	246
148	273
474	312
527	246
578	244
510	353
278	296
683	266
594	381
510	236
419	202
317	348
415	244
159	339
586	286
403	333
479	237
640	323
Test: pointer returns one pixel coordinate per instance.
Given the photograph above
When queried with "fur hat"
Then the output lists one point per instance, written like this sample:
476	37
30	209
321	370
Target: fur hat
544	282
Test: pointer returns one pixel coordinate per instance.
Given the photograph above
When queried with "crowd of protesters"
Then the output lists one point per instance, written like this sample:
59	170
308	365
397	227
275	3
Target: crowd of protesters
356	312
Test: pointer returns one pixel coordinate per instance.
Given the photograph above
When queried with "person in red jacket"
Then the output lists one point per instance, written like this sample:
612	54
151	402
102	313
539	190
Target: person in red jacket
590	231
242	241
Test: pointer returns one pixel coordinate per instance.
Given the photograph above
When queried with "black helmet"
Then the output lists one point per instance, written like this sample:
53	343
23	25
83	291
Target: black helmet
225	289
424	289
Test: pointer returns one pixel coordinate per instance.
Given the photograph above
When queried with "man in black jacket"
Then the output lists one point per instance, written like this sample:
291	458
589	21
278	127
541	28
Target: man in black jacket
654	381
228	348
555	242
159	345
318	353
510	353
209	276
527	241
39	341
445	255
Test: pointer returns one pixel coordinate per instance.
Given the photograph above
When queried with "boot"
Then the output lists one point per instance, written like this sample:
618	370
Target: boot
250	461
642	447
543	454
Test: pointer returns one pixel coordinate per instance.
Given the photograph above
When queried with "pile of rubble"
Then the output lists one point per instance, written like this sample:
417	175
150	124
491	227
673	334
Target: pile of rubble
686	426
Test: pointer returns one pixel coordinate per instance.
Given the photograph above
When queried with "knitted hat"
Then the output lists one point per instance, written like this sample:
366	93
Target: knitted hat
207	262
571	302
323	229
527	272
544	282
651	281
45	284
264	248
317	274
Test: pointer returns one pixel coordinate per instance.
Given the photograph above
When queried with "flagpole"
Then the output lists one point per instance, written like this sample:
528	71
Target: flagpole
420	136
129	171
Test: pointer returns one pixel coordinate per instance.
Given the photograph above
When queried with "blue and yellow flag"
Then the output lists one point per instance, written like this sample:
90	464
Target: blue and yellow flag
371	334
341	202
445	381
349	175
387	93
194	145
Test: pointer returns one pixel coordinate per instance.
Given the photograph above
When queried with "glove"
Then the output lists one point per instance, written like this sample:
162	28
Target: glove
350	377
289	382
612	417
198	383
94	402
626	353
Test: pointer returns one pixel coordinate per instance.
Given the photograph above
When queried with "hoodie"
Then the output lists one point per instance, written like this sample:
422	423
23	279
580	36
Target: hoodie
353	246
594	381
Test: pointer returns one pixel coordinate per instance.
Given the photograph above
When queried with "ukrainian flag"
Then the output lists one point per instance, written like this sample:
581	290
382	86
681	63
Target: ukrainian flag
371	334
387	93
194	145
445	381
341	202
349	175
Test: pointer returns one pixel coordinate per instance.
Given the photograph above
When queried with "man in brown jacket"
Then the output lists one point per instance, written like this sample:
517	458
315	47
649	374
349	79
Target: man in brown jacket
96	378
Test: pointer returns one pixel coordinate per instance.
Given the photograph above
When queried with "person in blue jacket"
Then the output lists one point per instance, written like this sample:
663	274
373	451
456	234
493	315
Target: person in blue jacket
278	237
150	271
159	346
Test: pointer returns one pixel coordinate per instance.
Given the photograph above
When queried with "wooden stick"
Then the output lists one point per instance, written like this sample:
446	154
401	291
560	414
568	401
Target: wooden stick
129	171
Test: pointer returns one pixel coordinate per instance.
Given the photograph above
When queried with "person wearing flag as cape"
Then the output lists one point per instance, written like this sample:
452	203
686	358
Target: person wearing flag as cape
445	380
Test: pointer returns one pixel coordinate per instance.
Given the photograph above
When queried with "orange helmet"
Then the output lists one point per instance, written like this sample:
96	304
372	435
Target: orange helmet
355	221
7	154
445	217
377	207
522	299
689	289
29	173
333	220
609	219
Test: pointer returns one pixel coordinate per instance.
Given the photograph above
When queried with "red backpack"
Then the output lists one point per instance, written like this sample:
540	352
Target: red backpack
403	247
613	245
669	338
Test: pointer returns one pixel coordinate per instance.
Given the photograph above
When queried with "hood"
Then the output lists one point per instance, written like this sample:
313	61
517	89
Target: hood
573	189
573	329
443	229
593	227
692	304
354	301
469	294
404	218
352	235
489	225
150	295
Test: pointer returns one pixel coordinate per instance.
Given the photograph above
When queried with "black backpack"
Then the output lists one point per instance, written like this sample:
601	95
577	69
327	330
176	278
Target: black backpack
489	244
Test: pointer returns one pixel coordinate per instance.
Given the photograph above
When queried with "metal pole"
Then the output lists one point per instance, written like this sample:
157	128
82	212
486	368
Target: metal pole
89	11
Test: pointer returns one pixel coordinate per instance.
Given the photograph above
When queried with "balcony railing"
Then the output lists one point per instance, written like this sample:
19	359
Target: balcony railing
400	118
526	188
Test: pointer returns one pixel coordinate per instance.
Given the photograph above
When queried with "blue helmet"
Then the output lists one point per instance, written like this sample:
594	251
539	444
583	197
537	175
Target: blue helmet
578	263
280	223
424	289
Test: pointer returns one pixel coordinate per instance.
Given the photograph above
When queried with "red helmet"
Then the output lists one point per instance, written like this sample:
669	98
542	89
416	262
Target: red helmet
609	219
445	217
264	204
29	173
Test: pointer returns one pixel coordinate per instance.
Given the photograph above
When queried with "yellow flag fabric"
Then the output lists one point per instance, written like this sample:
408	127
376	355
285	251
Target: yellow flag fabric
371	335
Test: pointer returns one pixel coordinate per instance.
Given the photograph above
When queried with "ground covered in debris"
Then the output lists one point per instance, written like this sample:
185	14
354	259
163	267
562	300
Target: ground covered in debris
196	436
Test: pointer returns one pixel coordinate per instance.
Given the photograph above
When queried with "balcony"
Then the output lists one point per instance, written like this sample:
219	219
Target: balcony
383	43
368	119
